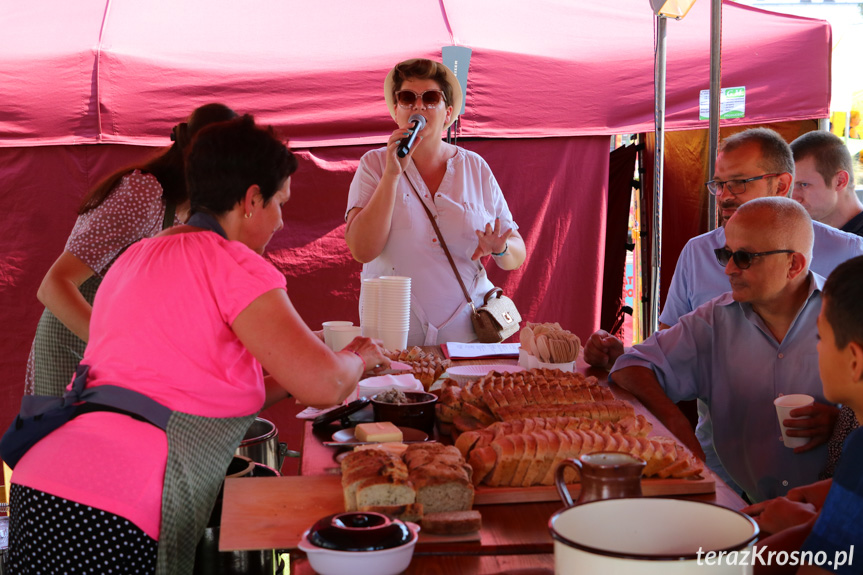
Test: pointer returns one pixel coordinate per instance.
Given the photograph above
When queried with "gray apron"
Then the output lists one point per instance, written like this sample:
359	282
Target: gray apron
199	452
56	351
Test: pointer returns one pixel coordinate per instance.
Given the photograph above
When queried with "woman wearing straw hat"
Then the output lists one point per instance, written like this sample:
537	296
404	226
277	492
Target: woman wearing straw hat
388	229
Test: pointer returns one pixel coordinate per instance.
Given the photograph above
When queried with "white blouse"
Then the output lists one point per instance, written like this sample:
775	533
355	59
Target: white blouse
467	199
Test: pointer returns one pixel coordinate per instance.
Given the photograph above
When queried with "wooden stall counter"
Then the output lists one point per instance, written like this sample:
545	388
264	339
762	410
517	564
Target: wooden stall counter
272	513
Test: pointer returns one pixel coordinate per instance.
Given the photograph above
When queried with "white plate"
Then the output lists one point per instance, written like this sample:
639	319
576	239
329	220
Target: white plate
465	373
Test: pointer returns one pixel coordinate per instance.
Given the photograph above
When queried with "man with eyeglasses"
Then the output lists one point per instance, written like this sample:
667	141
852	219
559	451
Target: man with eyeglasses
751	164
741	350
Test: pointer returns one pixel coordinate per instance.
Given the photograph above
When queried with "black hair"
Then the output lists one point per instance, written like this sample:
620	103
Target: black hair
168	165
226	159
843	305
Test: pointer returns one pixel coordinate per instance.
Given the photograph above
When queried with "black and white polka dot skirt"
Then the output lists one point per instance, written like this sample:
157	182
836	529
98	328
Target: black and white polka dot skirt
48	534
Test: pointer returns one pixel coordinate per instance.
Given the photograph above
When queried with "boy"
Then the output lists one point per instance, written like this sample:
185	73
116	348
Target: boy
837	530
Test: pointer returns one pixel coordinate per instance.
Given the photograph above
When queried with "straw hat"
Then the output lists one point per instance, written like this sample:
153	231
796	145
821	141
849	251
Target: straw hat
457	96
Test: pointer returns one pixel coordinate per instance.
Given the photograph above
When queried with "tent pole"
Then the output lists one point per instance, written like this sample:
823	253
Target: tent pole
714	111
658	161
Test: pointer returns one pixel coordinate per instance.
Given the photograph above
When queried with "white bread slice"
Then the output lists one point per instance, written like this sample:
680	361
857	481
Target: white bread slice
527	458
384	491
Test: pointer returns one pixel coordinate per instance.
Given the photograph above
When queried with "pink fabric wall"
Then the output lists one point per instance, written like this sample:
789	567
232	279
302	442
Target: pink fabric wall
556	188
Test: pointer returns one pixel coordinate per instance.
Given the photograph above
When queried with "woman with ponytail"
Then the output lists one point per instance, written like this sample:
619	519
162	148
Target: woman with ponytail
134	203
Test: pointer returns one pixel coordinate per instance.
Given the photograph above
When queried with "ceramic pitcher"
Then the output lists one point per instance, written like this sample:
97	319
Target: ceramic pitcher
604	475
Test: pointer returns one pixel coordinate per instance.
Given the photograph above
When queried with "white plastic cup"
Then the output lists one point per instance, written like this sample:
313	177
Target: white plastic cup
784	404
343	335
394	338
369	306
329	325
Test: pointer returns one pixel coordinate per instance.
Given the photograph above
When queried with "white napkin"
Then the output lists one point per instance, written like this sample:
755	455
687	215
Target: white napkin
369	387
313	412
404	382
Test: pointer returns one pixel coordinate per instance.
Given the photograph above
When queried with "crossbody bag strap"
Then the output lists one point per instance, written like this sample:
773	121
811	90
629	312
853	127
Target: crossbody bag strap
442	243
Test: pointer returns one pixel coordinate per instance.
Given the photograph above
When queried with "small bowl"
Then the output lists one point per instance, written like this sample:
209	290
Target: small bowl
389	561
466	373
418	414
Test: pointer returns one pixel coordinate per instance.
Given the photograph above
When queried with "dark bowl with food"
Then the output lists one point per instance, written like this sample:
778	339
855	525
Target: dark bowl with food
414	409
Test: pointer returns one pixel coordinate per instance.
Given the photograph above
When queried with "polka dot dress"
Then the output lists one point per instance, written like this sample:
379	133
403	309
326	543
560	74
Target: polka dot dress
134	210
52	535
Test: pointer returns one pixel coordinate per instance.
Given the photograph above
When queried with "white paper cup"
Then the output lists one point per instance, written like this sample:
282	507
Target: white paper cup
369	306
394	338
784	404
329	325
343	335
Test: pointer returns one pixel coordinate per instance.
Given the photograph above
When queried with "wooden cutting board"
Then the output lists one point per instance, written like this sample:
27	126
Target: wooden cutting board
649	488
274	512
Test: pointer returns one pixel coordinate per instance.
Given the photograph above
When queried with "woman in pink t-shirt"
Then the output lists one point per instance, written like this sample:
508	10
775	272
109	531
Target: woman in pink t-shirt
187	318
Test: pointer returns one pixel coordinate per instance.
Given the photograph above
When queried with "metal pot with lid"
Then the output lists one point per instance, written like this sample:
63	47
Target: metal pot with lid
261	444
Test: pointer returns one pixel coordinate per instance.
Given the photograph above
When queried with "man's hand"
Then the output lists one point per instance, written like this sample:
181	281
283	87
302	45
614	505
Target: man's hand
778	514
814	493
815	421
602	349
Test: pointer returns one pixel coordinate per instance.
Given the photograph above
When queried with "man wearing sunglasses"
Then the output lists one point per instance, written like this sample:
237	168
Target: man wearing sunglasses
752	164
741	350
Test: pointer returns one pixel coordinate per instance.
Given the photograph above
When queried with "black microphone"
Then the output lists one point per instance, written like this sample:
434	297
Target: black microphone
419	122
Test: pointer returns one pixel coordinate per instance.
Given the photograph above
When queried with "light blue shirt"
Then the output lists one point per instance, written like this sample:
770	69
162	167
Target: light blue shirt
724	355
698	278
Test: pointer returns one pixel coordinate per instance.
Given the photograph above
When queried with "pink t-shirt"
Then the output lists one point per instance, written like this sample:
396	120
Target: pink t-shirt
161	324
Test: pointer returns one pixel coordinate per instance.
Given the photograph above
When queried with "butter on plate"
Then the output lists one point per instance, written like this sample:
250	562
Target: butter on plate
378	431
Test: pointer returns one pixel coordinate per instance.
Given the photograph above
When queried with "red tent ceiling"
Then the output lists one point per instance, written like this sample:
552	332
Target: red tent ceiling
120	71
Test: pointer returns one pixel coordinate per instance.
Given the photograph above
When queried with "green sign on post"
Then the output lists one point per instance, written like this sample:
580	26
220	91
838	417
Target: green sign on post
732	103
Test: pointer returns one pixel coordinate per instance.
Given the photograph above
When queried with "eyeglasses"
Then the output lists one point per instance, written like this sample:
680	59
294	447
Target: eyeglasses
408	98
733	187
742	258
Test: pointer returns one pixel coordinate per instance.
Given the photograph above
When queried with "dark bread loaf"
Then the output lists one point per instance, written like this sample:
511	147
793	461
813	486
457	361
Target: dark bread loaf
452	522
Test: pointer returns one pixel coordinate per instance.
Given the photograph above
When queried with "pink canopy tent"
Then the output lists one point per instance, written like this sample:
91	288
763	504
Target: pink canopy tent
92	85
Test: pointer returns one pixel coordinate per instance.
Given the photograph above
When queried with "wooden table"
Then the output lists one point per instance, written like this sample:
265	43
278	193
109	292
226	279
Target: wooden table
273	512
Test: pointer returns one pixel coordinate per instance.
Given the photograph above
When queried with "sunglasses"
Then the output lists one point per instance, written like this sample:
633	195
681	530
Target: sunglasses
742	258
408	98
